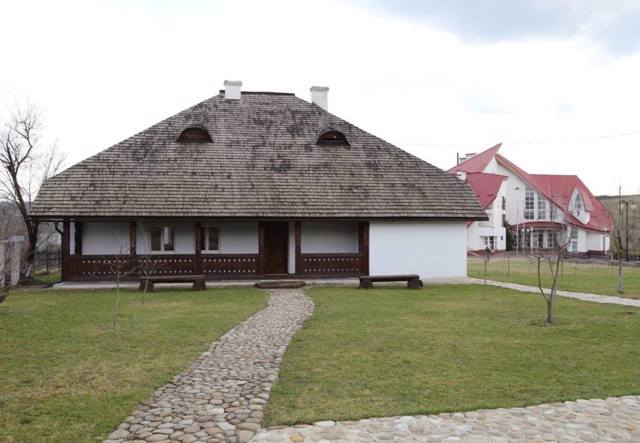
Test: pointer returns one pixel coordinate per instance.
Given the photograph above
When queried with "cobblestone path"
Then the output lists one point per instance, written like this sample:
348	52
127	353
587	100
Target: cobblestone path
610	420
221	397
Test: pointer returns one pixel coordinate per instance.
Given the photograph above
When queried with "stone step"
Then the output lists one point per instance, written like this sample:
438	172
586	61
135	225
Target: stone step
280	284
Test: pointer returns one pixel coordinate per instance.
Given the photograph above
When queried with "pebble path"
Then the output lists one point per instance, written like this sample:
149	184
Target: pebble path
221	397
596	298
610	420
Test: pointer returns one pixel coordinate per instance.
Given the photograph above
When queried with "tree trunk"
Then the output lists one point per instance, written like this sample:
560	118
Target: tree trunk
32	234
550	310
620	288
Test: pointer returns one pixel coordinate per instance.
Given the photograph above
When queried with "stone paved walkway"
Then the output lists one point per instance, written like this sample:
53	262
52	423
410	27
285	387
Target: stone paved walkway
596	298
611	420
221	397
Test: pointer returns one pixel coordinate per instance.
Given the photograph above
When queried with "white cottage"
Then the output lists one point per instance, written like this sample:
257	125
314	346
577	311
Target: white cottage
254	185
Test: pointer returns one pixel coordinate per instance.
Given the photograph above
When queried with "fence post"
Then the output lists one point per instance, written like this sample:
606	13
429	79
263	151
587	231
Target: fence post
16	249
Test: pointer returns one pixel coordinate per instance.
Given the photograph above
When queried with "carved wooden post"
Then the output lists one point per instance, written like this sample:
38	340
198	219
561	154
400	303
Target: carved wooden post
77	238
198	248
298	250
363	247
261	246
133	231
66	248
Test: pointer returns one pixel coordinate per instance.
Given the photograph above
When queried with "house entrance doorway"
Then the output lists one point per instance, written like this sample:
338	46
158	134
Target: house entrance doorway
276	244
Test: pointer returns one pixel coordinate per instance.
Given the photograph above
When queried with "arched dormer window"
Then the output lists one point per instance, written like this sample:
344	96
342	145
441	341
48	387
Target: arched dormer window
333	138
194	134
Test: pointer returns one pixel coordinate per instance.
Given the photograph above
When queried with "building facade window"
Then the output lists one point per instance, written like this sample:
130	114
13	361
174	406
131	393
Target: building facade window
210	239
489	242
542	207
552	239
162	239
577	205
529	203
538	239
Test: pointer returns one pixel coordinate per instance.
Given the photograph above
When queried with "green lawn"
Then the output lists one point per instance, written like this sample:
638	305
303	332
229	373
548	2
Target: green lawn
577	277
386	352
66	375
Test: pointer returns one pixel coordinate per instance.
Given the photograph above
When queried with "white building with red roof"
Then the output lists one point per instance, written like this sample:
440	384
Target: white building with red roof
532	206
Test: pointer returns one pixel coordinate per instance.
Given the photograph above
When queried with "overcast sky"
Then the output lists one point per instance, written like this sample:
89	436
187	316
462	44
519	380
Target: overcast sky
557	81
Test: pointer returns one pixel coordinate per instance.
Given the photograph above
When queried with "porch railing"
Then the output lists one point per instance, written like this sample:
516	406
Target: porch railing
332	264
106	266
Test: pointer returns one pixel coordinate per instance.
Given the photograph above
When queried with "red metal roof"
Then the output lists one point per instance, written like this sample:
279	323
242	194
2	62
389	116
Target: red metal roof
485	186
478	162
558	189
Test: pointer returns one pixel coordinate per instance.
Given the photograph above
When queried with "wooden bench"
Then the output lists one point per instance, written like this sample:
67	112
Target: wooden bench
413	280
197	280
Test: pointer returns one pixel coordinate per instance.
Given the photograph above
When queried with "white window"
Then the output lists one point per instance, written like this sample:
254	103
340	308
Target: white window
577	205
529	203
552	239
162	239
538	239
210	239
489	242
542	207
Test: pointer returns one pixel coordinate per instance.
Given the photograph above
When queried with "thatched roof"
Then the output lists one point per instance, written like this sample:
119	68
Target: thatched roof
263	162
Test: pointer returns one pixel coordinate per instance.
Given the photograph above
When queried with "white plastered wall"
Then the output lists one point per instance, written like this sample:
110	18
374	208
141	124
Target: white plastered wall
429	249
104	238
329	236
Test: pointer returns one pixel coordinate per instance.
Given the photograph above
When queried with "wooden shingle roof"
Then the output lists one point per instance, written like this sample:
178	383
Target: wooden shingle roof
263	162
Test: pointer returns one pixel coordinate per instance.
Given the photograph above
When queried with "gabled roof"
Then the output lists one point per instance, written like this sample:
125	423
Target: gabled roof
558	189
485	186
263	162
479	162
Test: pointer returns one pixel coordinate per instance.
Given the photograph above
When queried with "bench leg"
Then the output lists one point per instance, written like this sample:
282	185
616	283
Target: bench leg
199	285
146	285
415	283
366	284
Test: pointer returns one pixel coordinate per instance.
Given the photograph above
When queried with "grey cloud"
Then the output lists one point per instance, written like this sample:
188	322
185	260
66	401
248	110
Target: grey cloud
613	24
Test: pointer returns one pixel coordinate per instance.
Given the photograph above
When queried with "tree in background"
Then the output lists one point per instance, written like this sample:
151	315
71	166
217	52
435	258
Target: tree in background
25	163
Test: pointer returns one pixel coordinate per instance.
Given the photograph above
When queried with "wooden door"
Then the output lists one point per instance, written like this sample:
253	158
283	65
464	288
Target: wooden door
276	243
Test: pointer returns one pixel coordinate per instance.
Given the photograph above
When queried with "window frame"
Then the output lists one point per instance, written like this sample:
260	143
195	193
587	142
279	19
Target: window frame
541	207
162	228
529	203
205	237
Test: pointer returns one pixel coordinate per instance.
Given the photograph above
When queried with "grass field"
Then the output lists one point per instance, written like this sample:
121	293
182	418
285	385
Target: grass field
386	352
576	277
66	375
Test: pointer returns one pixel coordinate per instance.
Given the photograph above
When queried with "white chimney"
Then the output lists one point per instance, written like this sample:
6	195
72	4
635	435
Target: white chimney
319	96
232	89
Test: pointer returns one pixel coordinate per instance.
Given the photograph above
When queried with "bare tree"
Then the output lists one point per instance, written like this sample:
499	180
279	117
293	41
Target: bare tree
553	257
24	165
121	265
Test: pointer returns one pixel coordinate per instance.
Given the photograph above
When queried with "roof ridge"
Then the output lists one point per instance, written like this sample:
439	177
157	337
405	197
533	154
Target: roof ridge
221	91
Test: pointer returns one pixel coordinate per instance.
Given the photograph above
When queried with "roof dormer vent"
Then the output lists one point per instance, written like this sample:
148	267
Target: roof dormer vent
194	134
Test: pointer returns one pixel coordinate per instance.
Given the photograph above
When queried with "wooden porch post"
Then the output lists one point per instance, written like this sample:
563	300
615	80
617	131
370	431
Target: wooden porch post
77	238
298	249
198	242
261	247
66	249
133	231
363	247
